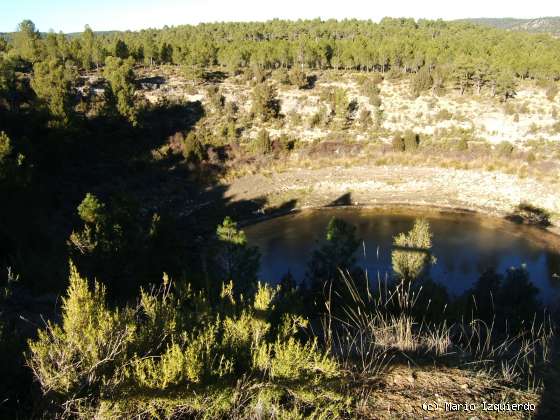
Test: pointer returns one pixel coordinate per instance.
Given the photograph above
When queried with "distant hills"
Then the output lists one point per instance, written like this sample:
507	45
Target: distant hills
550	25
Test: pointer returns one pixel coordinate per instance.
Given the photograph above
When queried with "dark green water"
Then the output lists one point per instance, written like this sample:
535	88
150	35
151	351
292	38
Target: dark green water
464	245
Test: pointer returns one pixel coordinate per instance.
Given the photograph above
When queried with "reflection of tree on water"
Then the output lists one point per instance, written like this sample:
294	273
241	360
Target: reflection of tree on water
553	267
463	256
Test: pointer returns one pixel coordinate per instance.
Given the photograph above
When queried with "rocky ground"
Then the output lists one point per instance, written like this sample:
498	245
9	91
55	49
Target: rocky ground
528	117
426	393
487	192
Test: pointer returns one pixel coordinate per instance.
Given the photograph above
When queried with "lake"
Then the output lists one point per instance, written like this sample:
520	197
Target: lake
464	244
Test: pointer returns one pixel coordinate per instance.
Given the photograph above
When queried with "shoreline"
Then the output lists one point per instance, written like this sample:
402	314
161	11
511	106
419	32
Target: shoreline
483	195
547	237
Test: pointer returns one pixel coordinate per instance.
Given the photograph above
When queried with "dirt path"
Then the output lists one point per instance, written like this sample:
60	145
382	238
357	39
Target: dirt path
490	193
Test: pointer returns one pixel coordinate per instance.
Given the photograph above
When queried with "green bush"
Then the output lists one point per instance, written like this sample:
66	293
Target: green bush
265	102
98	357
371	90
409	264
193	150
263	143
421	82
282	76
215	98
298	78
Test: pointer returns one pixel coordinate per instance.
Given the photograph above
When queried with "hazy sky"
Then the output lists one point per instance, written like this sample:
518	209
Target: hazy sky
72	15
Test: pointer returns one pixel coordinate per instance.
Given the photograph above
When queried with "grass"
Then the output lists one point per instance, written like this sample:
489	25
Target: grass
377	331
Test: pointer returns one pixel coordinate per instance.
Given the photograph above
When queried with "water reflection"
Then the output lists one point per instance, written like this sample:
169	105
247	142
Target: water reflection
465	247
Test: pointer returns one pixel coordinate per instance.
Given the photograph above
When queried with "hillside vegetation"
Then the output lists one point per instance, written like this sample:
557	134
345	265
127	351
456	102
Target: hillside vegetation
550	25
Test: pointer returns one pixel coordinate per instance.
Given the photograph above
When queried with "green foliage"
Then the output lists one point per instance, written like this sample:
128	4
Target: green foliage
120	75
215	97
263	143
98	354
265	103
531	215
5	153
120	50
91	210
53	83
9	86
26	42
193	149
235	260
339	103
193	73
370	88
81	354
412	251
298	78
421	82
336	254
293	361
115	240
504	86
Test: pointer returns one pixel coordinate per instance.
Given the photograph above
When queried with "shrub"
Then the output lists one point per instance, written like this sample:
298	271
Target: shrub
294	361
372	91
411	141
194	74
531	215
265	103
462	144
398	143
193	150
421	82
294	117
285	143
230	110
282	76
263	144
298	78
551	91
173	339
176	142
409	264
215	97
120	75
365	118
443	115
82	353
509	109
504	149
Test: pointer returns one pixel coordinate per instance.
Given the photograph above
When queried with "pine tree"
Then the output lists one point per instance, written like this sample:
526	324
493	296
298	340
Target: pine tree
412	251
120	75
236	260
53	83
265	103
26	41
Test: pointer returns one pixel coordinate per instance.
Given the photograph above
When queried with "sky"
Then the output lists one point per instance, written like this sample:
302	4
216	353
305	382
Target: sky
72	15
